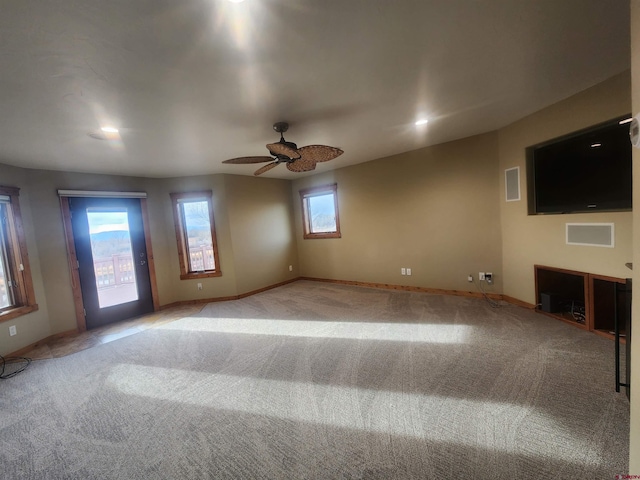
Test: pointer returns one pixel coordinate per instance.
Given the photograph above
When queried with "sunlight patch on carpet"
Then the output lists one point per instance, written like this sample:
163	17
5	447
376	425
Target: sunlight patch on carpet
461	421
404	332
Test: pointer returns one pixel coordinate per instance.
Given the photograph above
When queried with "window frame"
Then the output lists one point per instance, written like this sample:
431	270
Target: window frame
305	195
181	236
24	298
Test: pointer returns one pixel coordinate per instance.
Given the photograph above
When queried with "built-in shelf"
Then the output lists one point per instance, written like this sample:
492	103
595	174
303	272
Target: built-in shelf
608	300
563	294
585	300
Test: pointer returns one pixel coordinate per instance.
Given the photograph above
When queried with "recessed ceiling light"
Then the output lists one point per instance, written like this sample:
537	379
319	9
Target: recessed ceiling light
424	121
105	133
596	145
626	120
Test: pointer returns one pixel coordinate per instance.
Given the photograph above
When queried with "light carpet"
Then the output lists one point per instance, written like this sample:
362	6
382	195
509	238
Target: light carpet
321	381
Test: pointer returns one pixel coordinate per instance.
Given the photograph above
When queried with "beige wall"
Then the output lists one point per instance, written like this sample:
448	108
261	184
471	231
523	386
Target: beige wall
434	210
254	231
262	231
634	449
256	212
540	239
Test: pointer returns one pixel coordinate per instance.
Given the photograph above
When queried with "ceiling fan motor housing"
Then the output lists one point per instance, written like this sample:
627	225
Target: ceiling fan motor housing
280	156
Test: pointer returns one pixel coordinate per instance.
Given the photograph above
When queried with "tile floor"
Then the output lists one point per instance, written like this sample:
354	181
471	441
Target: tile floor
59	347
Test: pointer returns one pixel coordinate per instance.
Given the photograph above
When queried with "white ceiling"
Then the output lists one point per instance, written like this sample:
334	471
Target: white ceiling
190	83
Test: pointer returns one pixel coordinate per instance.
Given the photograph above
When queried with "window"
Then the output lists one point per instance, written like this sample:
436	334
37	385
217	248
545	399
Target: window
16	286
320	212
196	235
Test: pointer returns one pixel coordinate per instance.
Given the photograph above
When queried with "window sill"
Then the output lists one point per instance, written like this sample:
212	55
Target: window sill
17	312
194	275
308	236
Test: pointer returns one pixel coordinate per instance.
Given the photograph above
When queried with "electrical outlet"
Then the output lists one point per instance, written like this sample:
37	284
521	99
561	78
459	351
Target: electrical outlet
488	277
199	286
481	276
408	271
291	268
403	271
12	330
470	278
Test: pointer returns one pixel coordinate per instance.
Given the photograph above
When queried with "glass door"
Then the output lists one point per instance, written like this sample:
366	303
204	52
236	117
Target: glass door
111	251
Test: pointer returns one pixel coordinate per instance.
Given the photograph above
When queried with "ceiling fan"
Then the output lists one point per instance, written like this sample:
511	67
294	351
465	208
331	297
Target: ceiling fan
301	159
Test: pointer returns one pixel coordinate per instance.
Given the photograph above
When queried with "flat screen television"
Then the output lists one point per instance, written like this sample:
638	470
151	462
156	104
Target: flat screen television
585	171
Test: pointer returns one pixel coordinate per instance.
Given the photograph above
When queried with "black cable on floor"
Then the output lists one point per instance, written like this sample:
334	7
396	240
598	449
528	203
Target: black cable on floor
7	369
492	303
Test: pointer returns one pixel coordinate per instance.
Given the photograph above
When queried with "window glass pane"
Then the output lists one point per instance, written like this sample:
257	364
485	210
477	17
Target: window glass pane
5	291
112	257
322	213
195	235
197	226
4	283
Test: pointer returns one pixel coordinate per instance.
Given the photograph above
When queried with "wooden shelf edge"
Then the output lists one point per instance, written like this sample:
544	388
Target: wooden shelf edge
606	278
561	270
563	319
610	336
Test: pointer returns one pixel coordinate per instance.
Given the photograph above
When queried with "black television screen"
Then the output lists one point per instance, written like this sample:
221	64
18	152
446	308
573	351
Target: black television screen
586	171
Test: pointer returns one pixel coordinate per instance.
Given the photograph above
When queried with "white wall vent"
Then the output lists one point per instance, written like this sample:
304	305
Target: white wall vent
591	234
512	184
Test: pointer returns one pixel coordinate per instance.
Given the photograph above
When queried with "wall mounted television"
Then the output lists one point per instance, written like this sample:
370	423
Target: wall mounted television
585	171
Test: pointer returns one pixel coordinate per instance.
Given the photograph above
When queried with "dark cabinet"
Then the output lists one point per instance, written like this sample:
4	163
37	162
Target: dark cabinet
563	294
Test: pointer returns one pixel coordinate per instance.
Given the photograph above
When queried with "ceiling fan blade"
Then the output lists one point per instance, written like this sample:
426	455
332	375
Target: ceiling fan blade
282	149
302	165
319	153
246	160
265	168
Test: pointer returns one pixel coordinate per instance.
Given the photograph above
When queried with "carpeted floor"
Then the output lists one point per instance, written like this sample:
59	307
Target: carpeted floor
321	381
